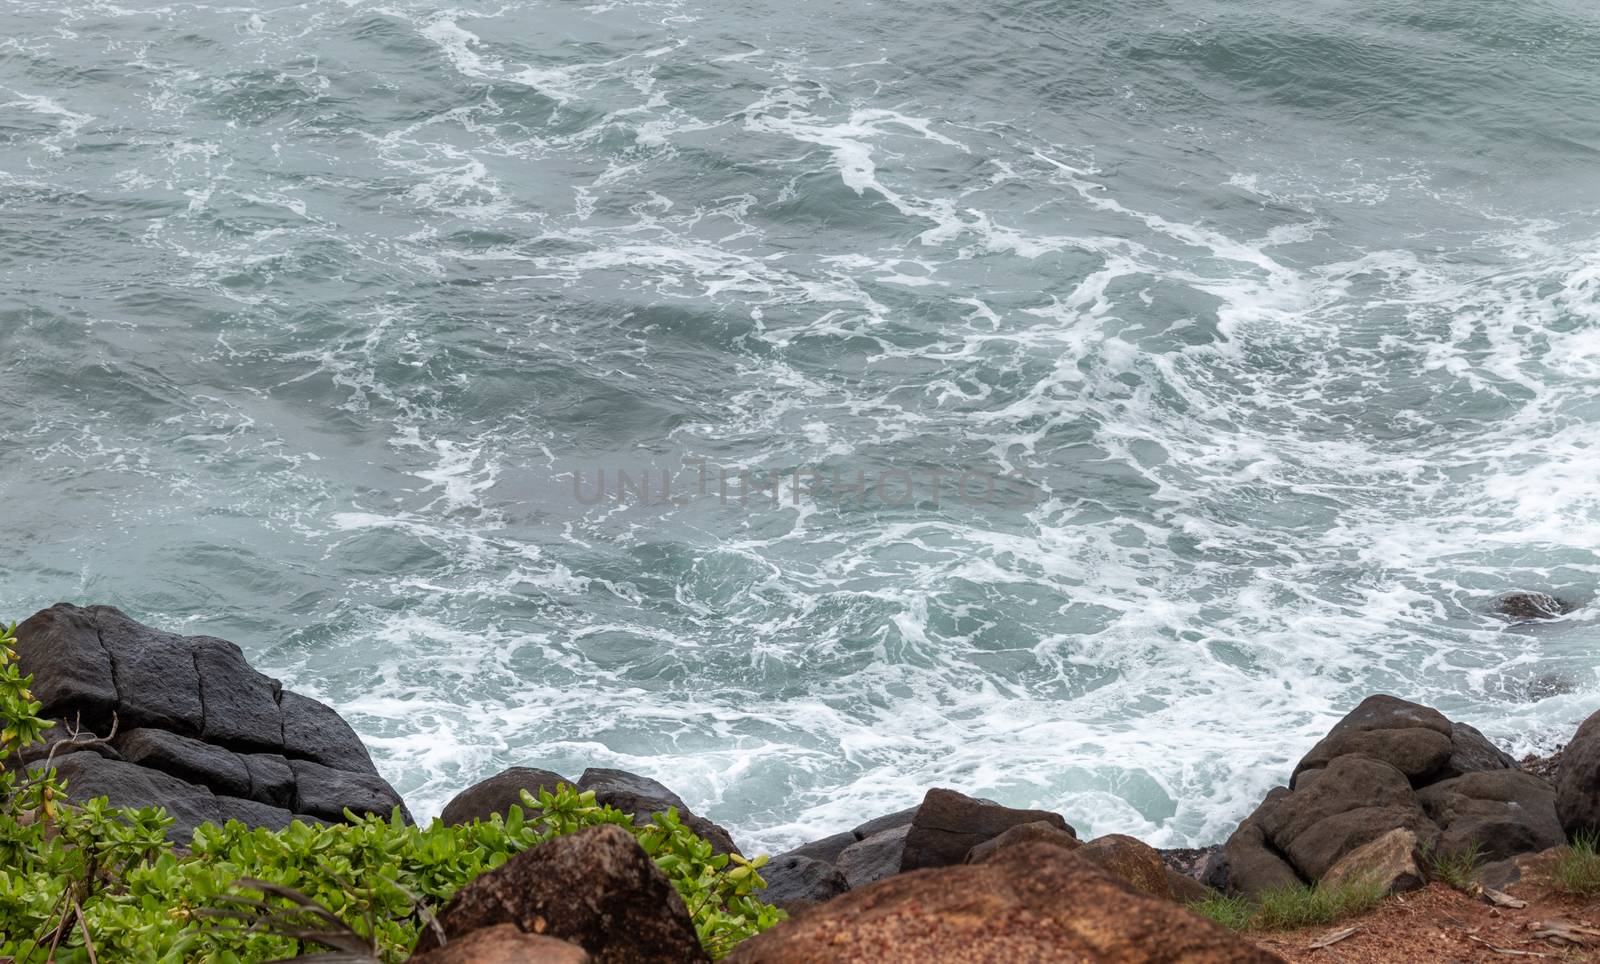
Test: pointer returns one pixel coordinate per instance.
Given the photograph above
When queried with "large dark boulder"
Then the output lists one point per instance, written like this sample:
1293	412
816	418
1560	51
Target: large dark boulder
1578	781
1248	863
888	821
642	796
212	738
1472	752
948	824
1023	833
89	775
499	793
1502	812
1532	605
827	849
796	882
1032	902
1332	811
596	888
1413	738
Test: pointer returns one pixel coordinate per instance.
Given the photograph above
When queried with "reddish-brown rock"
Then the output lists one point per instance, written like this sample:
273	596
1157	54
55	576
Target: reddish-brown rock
504	944
595	888
1027	904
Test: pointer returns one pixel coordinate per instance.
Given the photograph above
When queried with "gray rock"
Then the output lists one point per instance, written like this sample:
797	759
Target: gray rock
157	683
888	821
325	792
499	793
874	858
271	779
240	705
186	758
313	731
794	882
948	824
642	796
71	671
827	849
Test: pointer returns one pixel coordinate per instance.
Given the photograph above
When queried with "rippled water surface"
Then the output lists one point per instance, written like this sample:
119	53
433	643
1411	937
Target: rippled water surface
1278	323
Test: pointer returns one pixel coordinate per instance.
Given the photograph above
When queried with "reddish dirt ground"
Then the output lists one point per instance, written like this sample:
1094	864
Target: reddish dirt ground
1441	924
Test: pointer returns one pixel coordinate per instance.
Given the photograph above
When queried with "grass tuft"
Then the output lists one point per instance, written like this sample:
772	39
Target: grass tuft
1288	908
1578	869
1459	870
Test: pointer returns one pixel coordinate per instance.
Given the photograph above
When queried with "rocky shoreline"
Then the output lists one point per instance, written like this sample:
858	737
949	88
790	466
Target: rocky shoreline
183	722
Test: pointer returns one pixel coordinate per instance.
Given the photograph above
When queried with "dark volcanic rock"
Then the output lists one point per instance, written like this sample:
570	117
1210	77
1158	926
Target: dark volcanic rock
188	759
794	882
325	792
313	731
642	796
1578	783
1532	605
888	821
1030	903
197	730
827	849
874	858
595	888
1503	812
1249	863
499	793
1334	810
1472	752
1413	738
948	824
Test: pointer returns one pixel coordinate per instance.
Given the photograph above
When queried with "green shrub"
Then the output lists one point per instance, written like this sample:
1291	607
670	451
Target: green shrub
1578	867
1288	908
80	876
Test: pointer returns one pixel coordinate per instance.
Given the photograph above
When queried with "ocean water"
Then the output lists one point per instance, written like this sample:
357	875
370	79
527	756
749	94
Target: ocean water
1254	348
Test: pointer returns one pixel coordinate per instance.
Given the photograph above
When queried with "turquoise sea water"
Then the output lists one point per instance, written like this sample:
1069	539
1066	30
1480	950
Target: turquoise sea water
1275	328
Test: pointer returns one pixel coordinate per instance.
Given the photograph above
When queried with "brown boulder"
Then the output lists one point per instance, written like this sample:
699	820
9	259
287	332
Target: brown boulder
504	944
499	793
1334	810
1140	866
1393	860
642	797
948	824
1413	738
1037	832
1248	863
595	888
1578	782
1503	812
1029	903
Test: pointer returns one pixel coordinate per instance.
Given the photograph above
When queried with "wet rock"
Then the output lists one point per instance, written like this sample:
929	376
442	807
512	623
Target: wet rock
1578	784
596	888
1248	863
1502	812
1393	861
1037	832
1532	605
213	737
948	824
796	882
499	793
504	944
1332	811
1032	902
642	796
888	821
1472	752
1413	738
873	859
827	849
